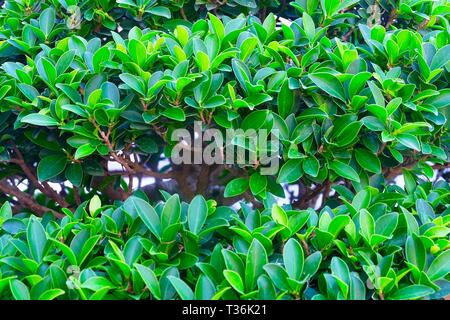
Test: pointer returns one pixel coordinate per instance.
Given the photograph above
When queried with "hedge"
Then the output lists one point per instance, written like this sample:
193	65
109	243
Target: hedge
370	247
359	96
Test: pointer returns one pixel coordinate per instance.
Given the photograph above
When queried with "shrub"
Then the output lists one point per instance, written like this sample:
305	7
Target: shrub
356	92
132	250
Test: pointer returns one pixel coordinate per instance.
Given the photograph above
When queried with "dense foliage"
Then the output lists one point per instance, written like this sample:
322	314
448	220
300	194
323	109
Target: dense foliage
372	246
358	91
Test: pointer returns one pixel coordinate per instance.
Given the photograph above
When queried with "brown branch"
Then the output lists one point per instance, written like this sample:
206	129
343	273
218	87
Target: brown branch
250	198
390	173
44	187
107	188
131	167
26	200
305	246
326	192
137	168
203	179
182	181
392	17
347	35
130	185
183	14
380	151
308	196
423	24
76	195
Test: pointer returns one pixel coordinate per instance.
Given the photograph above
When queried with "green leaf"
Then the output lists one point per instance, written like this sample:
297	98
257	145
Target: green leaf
66	251
171	212
328	83
393	105
367	160
183	290
204	289
349	134
311	166
84	151
258	183
357	288
29	91
65	61
440	266
409	140
293	258
19	290
51	166
337	224
357	83
203	61
256	259
278	275
367	224
97	283
415	251
37	239
51	294
217	25
425	211
290	172
441	58
87	248
340	269
197	214
47	20
94	204
74	173
386	224
176	114
255	120
160	11
138	52
5	212
247	47
377	94
133	82
330	7
279	215
47	70
235	280
312	264
147	214
38	119
308	26
214	102
411	292
266	289
344	170
285	100
236	187
150	280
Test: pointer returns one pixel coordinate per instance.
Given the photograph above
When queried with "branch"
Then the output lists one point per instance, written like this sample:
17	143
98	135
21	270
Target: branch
26	200
44	187
391	173
392	17
346	36
183	184
130	166
183	14
203	179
